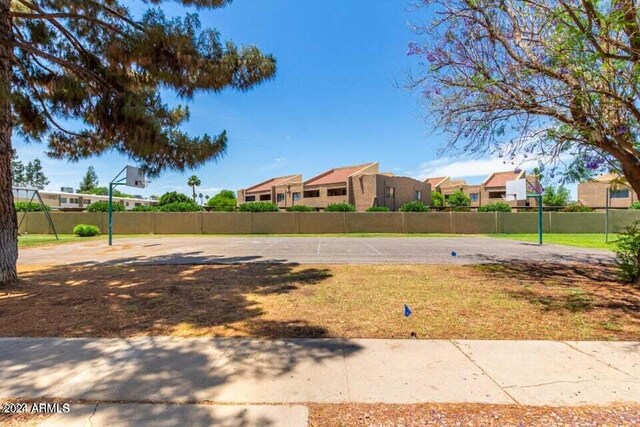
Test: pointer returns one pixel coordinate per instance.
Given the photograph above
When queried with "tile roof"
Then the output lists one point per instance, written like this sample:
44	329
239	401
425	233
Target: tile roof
266	185
499	179
436	180
336	175
456	183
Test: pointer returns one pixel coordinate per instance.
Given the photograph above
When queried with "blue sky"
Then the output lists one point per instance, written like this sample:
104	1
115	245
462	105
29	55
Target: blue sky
335	101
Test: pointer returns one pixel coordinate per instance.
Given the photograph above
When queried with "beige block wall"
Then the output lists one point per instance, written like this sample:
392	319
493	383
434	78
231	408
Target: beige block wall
329	222
374	222
473	222
226	222
274	223
324	222
133	223
178	222
427	222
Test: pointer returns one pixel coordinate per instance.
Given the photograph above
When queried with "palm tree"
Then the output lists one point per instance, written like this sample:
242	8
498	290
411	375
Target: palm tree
201	197
194	182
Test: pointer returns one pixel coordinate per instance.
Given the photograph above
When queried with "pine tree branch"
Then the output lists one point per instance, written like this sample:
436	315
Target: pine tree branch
60	15
24	45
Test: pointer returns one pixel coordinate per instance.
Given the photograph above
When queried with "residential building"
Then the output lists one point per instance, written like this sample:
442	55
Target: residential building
492	189
63	200
361	185
594	193
284	191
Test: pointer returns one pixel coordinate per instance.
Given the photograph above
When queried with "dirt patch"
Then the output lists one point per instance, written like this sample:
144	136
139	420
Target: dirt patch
518	301
470	415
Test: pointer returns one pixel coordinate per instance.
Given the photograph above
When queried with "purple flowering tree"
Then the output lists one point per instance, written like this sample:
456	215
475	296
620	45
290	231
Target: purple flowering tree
536	78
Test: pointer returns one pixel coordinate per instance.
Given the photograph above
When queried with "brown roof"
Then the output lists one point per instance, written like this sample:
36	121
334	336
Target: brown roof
499	179
435	181
266	185
336	175
456	183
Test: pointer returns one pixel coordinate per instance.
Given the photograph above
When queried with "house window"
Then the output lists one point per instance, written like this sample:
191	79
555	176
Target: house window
619	194
497	194
127	203
250	198
418	194
265	197
473	197
73	200
296	196
312	193
336	192
390	192
138	204
63	200
280	197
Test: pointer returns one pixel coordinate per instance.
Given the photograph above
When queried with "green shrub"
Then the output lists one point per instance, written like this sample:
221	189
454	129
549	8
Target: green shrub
459	200
143	208
86	230
30	207
258	207
103	206
300	208
495	207
635	205
414	206
628	253
340	207
437	199
174	197
224	201
378	209
577	207
180	207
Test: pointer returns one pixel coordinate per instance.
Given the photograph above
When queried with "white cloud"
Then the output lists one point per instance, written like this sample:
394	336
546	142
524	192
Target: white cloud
469	168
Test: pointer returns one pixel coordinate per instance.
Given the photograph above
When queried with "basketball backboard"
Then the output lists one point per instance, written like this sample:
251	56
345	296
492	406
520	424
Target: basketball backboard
135	177
517	189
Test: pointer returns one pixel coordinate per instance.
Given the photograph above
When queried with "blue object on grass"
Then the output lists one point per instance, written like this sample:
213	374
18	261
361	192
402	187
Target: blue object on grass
407	311
454	253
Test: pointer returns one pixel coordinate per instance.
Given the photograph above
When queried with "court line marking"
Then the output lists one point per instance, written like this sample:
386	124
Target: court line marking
269	247
375	250
319	244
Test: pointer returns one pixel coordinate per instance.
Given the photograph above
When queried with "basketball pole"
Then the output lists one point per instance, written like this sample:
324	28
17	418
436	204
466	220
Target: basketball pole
112	184
539	197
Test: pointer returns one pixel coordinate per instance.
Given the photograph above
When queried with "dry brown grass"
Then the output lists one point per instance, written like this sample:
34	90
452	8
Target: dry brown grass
519	301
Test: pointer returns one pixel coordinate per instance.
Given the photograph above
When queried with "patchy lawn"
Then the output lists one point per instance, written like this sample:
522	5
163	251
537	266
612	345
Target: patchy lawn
30	240
470	415
595	241
516	301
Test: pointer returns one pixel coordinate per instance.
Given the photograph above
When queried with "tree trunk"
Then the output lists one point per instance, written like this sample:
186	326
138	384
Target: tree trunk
8	220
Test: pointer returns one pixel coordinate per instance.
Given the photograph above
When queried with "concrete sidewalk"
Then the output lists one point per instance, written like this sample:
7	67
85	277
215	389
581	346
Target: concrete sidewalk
159	415
252	371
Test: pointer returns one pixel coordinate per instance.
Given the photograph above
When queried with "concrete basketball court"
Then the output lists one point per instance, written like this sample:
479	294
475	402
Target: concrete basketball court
306	250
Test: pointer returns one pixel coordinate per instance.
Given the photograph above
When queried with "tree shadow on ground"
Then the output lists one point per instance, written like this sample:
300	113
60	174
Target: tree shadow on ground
170	369
146	303
576	287
134	300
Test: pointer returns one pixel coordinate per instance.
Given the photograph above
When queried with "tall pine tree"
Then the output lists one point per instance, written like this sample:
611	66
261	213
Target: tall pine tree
89	181
94	62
